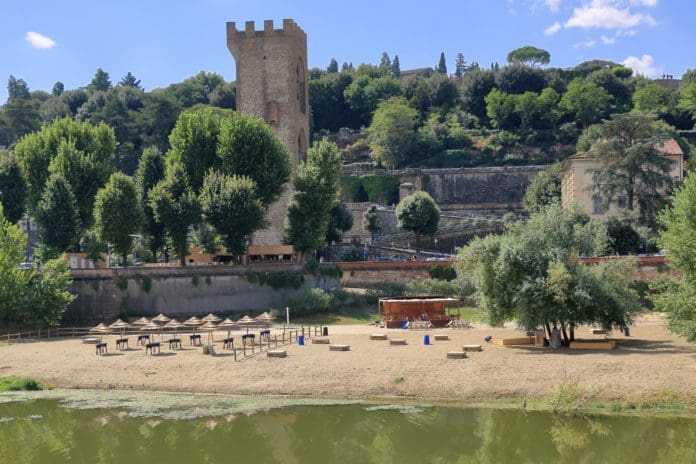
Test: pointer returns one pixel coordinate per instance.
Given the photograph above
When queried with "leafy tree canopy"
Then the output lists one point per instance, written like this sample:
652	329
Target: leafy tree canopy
529	55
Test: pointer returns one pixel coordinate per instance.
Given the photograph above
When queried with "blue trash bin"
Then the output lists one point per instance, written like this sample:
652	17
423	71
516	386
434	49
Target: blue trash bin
300	340
426	339
404	324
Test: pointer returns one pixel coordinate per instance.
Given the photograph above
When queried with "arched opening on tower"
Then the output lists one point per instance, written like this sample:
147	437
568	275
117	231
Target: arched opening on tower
301	146
301	86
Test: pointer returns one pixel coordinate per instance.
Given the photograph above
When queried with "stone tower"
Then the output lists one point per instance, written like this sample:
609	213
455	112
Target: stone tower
271	84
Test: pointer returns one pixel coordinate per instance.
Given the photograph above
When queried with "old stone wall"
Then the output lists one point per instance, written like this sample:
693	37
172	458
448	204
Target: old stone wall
177	292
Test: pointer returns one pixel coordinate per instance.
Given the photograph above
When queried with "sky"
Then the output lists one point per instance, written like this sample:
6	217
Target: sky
163	42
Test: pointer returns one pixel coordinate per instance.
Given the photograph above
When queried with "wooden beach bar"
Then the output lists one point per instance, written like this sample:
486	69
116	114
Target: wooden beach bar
395	311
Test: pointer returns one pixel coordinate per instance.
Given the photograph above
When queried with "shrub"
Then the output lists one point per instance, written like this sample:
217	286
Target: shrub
352	254
13	383
442	272
313	301
194	281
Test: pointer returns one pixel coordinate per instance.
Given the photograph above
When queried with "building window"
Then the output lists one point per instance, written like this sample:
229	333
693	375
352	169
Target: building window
623	202
597	204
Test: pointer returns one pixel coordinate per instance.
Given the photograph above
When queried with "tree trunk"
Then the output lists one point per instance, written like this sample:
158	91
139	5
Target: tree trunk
182	256
124	261
548	329
572	333
566	341
417	244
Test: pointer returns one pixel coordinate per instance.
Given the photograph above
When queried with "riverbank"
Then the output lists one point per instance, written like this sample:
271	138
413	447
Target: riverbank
652	363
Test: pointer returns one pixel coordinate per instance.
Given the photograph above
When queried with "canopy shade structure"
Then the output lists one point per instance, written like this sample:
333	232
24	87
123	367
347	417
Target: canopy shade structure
100	329
142	321
246	320
227	324
211	318
265	317
193	322
120	325
173	324
397	310
209	327
161	318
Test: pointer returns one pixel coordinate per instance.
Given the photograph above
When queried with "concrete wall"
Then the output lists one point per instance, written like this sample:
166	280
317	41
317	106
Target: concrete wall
177	292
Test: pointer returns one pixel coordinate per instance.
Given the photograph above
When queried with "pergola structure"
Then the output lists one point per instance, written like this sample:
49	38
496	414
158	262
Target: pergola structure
395	311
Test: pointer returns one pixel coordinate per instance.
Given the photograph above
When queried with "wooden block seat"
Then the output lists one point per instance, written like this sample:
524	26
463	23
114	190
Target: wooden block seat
320	341
91	340
397	341
471	348
456	354
379	337
277	354
440	338
593	345
339	347
513	341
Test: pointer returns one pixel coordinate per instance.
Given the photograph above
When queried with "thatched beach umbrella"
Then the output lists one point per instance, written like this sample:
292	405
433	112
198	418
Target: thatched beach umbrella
266	318
211	318
120	325
227	324
173	324
246	320
209	326
161	319
193	322
142	322
151	327
101	329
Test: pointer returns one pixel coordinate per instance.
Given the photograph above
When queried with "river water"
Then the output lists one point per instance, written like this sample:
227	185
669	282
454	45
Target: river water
170	429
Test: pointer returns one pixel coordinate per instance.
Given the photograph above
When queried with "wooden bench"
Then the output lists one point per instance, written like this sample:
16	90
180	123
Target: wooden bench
456	354
441	338
593	345
397	341
339	347
121	343
250	338
228	343
174	343
513	341
472	348
101	348
320	341
277	354
195	340
379	337
143	339
152	347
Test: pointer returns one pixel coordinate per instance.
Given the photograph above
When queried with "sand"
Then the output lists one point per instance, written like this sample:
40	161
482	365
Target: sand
652	360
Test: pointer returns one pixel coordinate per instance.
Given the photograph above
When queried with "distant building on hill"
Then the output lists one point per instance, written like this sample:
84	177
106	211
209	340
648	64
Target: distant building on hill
577	180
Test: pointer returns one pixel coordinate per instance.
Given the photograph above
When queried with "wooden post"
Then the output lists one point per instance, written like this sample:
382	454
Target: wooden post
244	348
73	331
234	350
275	338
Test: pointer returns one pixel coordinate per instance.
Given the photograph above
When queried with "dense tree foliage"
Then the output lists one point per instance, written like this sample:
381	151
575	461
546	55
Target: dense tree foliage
371	221
544	190
13	188
315	195
529	55
418	213
391	135
151	170
118	214
58	218
531	273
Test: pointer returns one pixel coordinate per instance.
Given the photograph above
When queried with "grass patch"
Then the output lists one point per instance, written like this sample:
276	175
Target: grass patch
13	383
468	313
348	316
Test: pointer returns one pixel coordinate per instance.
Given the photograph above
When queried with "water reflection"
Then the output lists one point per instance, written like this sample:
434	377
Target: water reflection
43	431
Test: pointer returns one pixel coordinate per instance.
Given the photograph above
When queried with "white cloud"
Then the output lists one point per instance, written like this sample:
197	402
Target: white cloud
645	2
626	33
554	5
644	65
39	40
608	14
552	29
586	44
608	40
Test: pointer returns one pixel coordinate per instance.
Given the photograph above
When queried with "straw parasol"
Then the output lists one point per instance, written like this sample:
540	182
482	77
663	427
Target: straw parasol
246	320
151	327
211	318
193	322
209	326
161	319
142	321
227	324
265	317
101	329
173	324
120	325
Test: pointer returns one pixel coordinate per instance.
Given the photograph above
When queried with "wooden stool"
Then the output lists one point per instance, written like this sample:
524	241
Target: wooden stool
397	341
441	338
320	341
277	354
339	347
471	348
378	337
456	355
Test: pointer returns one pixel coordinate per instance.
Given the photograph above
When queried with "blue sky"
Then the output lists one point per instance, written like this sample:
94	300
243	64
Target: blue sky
165	41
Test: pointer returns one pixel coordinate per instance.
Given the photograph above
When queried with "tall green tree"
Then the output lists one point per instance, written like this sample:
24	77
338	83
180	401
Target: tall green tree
442	64
176	206
687	98
418	213
247	147
118	214
385	62
630	147
677	298
232	206
371	221
391	135
100	82
129	80
58	89
529	55
585	102
317	189
340	221
651	97
396	67
151	170
93	147
460	66
13	188
544	190
13	280
333	66
58	218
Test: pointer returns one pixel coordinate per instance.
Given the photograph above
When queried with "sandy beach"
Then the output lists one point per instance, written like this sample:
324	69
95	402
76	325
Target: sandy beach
652	360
